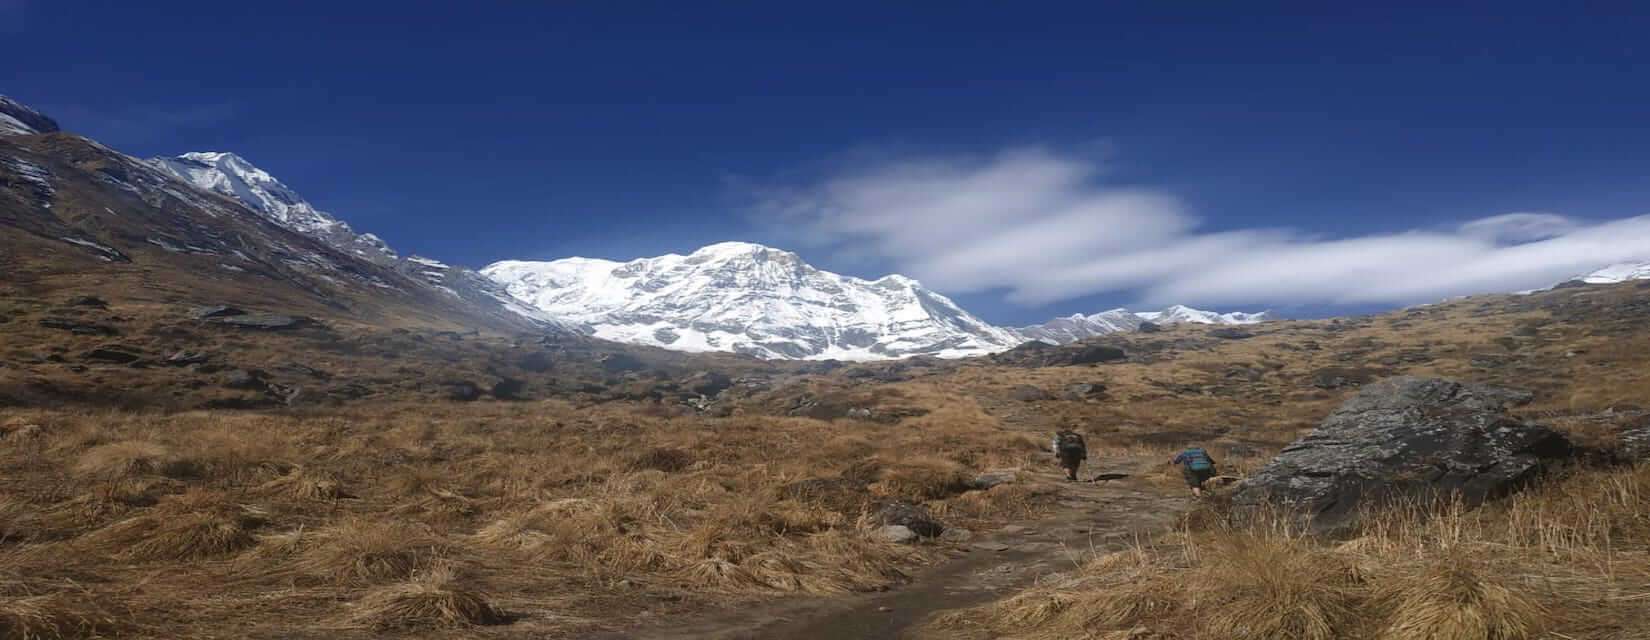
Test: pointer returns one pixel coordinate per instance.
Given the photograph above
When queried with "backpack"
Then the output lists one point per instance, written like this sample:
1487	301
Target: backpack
1071	442
1198	460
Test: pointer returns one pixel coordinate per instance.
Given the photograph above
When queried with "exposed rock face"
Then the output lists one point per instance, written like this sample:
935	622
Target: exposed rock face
911	516
79	328
1635	441
462	391
1407	437
264	321
17	118
1042	354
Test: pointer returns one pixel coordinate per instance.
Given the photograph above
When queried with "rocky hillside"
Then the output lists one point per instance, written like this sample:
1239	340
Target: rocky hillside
81	218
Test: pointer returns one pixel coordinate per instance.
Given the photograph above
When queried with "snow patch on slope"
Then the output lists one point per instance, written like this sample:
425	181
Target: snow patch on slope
1620	272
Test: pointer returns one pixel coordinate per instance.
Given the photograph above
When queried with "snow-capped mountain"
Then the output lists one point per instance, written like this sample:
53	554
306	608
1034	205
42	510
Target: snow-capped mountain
231	175
753	299
1079	326
1620	272
1178	314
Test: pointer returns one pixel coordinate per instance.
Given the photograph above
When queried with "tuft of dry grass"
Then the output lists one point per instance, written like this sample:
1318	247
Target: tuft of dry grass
1570	559
51	616
132	458
302	483
191	526
359	551
430	600
923	478
1458	599
1261	587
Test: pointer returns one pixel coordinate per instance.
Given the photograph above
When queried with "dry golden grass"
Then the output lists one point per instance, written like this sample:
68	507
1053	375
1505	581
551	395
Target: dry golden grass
50	616
1527	568
579	514
431	600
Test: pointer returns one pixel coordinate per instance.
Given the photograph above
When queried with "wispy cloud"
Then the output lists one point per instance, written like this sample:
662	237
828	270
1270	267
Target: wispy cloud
1045	227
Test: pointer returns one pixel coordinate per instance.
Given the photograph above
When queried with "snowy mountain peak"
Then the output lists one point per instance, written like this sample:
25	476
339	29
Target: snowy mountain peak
230	175
1181	313
18	119
1078	326
750	298
1619	272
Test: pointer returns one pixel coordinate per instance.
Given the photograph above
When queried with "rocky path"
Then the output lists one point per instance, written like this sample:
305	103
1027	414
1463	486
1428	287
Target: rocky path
1090	517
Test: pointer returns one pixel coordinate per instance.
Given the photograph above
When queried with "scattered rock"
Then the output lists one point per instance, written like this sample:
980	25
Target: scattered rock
1340	377
215	311
185	358
621	362
1149	327
245	379
536	362
1231	333
79	328
709	383
88	301
109	355
1634	441
1028	393
991	479
1406	437
897	534
1084	391
1097	353
509	389
461	391
997	547
913	516
264	321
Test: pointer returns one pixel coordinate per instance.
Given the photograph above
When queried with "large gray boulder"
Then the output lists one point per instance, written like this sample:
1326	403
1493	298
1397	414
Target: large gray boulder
1406	437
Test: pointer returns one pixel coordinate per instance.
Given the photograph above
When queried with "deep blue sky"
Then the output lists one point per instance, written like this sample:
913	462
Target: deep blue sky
480	131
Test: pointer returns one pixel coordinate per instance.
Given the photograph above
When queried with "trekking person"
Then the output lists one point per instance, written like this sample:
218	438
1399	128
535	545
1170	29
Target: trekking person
1070	450
1197	467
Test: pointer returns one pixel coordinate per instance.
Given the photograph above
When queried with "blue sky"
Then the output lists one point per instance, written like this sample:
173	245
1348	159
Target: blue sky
1030	159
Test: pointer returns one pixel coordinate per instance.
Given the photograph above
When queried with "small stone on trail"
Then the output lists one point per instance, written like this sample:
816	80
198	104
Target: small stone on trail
897	534
955	534
991	479
884	609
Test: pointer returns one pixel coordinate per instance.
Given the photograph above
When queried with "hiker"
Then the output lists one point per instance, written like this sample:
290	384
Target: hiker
1197	467
1070	450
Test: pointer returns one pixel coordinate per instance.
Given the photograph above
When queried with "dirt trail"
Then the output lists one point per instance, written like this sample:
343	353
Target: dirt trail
1091	516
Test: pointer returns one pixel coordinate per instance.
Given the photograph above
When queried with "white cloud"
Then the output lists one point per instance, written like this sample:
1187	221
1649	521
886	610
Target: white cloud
1045	227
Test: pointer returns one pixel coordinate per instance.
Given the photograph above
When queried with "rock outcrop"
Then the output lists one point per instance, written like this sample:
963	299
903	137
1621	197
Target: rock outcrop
1406	437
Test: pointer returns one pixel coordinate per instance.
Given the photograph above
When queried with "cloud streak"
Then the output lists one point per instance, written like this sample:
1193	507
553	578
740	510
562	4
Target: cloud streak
1045	227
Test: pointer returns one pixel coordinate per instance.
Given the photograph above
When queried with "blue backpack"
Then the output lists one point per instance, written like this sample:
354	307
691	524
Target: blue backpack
1198	460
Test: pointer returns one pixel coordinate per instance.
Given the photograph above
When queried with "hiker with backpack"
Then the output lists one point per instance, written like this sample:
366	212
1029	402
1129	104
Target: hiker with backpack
1070	451
1197	467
